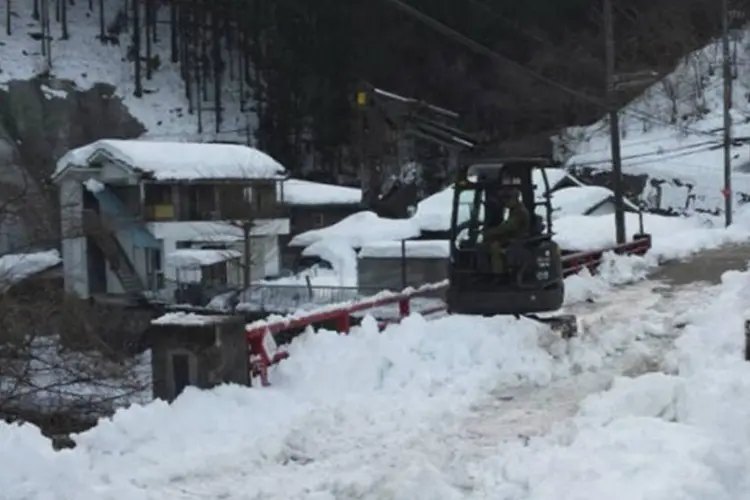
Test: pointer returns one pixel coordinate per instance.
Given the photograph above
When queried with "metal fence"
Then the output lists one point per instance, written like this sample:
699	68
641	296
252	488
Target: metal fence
290	298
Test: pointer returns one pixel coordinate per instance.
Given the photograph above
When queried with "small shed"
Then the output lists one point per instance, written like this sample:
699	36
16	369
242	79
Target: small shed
395	265
189	349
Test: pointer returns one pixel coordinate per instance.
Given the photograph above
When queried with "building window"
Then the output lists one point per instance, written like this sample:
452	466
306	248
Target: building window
158	194
318	220
154	270
215	274
158	201
198	202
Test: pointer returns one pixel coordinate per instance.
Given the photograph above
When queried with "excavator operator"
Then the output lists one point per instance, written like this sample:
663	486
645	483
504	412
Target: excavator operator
517	225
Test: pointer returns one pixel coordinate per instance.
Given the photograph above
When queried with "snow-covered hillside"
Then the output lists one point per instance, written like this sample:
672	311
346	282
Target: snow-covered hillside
674	131
85	60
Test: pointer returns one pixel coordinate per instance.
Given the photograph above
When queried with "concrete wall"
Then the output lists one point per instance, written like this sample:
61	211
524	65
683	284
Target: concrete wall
386	273
74	255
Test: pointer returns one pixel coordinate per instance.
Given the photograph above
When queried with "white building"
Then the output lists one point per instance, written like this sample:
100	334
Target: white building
146	217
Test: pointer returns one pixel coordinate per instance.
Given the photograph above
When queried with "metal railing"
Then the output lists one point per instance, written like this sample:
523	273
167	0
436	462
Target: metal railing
289	298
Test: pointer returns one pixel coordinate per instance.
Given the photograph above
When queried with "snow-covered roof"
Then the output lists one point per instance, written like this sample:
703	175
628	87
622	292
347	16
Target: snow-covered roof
301	192
211	231
554	177
361	228
578	200
197	257
17	267
178	161
434	212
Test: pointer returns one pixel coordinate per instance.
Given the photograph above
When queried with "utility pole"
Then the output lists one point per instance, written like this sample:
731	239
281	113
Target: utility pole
614	124
727	75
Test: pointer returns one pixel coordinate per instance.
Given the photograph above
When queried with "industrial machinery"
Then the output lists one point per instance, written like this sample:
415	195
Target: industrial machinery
531	279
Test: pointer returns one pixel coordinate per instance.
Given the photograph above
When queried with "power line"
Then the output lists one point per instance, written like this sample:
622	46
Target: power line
658	155
481	49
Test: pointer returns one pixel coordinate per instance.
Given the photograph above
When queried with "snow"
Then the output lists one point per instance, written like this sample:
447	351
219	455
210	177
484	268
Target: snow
434	212
93	185
673	133
579	200
188	319
404	414
301	192
179	161
86	61
360	228
16	267
672	237
462	407
555	176
421	249
342	258
208	231
661	435
57	378
196	258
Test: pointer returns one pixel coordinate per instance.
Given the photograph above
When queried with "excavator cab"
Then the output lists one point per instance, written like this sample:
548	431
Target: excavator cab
531	279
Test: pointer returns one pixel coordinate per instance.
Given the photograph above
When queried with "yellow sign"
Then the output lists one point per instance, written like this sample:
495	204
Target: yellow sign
361	98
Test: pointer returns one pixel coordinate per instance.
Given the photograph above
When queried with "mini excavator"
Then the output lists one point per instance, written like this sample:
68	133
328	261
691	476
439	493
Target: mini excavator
531	282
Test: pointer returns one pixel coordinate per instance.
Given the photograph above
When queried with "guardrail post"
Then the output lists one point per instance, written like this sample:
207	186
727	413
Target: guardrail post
343	323
747	340
404	307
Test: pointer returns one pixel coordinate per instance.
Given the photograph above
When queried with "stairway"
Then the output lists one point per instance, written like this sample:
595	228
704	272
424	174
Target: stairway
95	226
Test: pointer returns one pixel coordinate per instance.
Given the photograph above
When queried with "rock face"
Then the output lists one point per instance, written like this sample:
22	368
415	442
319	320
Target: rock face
40	120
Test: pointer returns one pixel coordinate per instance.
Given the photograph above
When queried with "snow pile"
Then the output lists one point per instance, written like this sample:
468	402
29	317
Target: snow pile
16	267
301	192
434	212
673	134
172	161
86	61
343	272
342	258
378	388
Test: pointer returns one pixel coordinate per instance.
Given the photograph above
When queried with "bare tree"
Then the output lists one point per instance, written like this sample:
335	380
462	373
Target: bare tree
59	368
